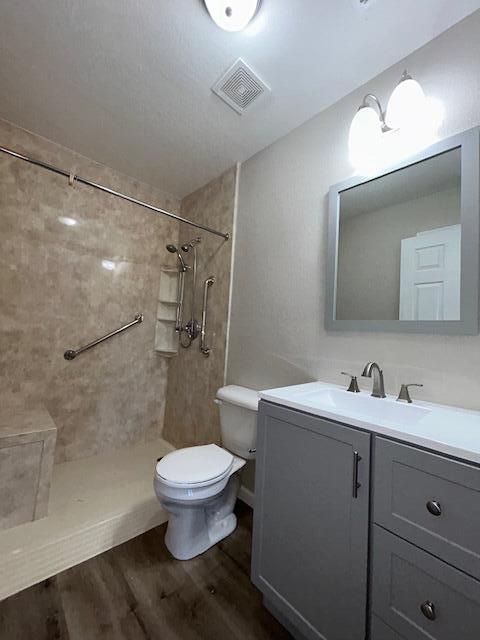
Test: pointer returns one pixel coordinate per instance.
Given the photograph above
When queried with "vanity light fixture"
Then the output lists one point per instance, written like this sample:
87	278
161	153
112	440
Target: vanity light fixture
406	112
232	15
406	104
366	131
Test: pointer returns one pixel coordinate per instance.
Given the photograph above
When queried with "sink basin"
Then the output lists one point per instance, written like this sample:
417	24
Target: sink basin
363	406
449	430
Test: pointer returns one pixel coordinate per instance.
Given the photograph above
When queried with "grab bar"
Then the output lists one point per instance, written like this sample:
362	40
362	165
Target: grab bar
73	353
206	286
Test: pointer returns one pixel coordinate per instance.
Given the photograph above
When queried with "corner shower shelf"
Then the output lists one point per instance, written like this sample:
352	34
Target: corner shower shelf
166	338
166	311
168	285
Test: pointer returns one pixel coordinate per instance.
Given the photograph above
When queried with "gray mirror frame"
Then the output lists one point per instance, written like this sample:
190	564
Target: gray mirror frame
469	142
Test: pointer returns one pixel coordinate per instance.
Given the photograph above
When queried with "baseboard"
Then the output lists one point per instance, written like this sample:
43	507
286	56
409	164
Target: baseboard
247	496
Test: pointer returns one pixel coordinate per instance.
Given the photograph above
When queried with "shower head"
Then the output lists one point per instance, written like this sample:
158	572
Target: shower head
171	248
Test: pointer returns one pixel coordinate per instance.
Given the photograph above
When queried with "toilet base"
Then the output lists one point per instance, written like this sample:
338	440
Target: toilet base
194	528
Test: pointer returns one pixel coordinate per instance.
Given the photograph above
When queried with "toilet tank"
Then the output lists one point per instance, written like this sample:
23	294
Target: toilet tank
238	419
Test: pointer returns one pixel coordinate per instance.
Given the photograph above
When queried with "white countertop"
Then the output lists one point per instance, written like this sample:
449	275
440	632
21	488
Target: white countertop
448	430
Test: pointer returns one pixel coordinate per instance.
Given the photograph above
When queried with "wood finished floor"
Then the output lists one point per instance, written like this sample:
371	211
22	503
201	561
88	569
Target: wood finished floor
138	592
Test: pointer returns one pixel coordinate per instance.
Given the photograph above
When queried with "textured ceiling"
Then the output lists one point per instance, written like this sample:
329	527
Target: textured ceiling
128	82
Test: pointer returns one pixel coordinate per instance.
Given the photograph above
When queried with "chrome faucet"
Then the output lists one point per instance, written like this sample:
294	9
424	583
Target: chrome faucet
378	390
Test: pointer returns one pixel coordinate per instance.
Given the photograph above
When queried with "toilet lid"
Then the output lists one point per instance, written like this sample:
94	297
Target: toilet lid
195	465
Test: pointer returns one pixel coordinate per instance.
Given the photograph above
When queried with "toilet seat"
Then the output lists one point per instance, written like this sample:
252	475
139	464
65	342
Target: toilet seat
194	467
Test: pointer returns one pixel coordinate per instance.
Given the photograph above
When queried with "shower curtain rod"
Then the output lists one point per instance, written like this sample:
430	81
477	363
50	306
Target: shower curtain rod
73	177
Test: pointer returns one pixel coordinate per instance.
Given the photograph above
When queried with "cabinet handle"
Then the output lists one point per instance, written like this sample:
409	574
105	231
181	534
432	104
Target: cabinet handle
428	610
434	508
356	483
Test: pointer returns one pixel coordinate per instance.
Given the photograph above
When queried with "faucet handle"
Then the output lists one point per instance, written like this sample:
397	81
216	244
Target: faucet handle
404	394
353	386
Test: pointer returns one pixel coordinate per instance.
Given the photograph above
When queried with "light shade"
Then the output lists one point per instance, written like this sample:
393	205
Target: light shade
365	138
232	15
407	104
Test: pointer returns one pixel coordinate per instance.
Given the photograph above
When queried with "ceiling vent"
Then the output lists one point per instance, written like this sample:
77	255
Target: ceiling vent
240	87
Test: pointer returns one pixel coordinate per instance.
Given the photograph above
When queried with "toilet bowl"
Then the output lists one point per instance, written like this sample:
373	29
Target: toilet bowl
198	486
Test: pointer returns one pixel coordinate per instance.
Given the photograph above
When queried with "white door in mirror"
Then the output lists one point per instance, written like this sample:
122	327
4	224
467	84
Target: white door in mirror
430	275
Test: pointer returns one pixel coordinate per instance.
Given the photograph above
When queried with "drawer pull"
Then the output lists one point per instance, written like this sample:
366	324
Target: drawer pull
434	508
428	610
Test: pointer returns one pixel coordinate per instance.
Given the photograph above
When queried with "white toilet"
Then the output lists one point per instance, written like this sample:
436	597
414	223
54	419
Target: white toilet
198	486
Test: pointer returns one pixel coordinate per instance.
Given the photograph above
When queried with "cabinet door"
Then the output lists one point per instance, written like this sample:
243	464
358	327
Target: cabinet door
311	523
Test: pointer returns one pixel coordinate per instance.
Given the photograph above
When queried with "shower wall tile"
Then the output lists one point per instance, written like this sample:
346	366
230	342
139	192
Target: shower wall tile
76	263
191	417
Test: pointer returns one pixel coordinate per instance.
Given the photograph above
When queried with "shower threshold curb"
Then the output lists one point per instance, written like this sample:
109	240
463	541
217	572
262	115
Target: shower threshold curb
95	504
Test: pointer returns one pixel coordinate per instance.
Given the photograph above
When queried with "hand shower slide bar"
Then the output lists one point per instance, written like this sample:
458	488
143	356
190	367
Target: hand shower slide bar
71	354
73	177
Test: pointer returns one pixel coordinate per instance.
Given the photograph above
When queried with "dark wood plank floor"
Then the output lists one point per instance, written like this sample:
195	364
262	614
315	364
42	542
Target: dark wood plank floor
138	592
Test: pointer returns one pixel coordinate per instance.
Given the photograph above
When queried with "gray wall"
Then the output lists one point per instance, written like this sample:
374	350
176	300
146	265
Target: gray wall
368	284
277	334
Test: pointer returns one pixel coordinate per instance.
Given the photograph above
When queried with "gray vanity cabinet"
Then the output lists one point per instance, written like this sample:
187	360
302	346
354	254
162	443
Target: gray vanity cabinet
310	538
314	533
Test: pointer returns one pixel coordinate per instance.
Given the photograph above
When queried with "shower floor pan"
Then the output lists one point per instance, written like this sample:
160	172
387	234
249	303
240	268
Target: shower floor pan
95	504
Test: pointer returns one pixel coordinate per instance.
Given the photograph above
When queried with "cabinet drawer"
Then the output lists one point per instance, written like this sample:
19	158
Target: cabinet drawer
405	578
381	631
412	485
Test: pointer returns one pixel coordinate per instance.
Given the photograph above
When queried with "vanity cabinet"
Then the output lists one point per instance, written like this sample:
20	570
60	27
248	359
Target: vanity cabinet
310	539
316	539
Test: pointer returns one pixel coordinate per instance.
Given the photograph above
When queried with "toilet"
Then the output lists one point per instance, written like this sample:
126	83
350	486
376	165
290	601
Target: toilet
198	486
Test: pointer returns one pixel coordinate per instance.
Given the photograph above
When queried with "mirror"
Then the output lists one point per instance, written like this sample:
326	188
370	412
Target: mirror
403	250
399	244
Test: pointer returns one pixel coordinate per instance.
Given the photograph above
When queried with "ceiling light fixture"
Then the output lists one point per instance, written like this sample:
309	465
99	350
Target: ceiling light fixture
232	15
409	119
